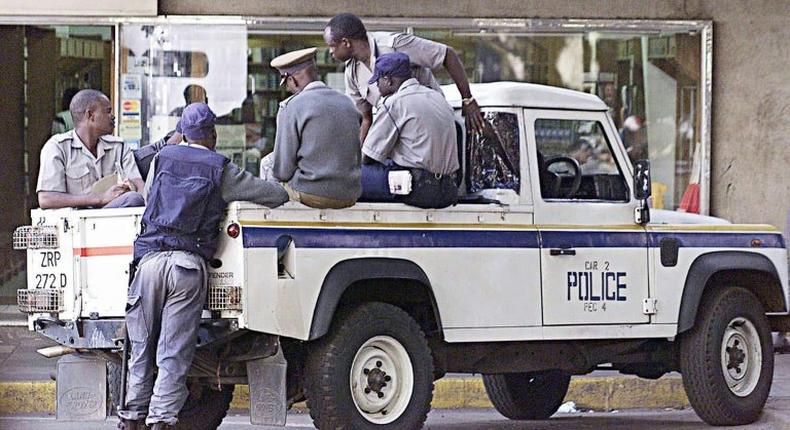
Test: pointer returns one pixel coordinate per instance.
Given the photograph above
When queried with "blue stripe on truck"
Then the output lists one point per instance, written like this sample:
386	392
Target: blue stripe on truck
331	237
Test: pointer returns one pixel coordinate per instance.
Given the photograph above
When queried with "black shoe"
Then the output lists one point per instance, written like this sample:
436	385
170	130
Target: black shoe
132	424
161	426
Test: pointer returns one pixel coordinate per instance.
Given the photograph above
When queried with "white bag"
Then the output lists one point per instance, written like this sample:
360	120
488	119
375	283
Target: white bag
400	182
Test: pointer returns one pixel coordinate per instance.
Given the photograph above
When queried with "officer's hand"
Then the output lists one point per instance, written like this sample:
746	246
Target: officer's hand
129	185
113	192
473	117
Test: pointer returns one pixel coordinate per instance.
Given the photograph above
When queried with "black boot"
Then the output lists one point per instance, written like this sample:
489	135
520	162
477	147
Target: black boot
161	426
132	424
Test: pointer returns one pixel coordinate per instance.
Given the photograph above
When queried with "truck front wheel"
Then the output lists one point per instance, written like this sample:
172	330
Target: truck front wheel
374	370
727	359
527	396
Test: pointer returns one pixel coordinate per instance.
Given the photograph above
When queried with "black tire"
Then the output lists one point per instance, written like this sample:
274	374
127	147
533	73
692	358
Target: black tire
701	358
329	366
527	396
204	409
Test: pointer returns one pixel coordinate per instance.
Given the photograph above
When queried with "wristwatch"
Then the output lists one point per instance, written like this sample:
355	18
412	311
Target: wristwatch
467	101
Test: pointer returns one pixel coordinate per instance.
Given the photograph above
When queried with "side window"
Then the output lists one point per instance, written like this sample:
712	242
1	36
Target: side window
575	161
493	157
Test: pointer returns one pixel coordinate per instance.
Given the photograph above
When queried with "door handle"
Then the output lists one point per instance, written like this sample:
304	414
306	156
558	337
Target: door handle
562	251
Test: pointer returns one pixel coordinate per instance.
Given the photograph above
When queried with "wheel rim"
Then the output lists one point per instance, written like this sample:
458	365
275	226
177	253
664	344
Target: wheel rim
741	356
382	379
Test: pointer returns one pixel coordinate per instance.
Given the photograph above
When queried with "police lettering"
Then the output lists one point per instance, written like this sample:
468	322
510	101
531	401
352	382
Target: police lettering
583	285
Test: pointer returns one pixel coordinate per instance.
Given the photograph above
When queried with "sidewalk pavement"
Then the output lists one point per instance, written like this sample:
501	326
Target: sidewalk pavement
27	386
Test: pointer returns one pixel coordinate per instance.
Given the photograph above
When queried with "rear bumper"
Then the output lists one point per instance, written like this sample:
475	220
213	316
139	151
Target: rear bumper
109	333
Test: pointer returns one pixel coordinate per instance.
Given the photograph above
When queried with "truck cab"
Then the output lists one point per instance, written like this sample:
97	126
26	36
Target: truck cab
552	264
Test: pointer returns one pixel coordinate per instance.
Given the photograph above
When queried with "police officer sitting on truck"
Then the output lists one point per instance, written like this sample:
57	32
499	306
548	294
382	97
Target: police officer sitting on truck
187	191
87	166
410	153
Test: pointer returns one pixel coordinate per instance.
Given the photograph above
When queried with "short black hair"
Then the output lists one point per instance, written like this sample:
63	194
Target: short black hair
188	92
83	101
347	25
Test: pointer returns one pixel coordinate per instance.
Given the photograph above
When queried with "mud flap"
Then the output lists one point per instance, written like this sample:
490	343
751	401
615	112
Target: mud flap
81	388
266	378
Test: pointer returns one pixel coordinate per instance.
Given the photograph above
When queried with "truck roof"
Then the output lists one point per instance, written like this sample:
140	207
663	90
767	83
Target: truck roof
520	94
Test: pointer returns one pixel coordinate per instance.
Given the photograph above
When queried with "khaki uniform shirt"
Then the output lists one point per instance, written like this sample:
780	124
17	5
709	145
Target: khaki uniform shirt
67	166
414	127
424	55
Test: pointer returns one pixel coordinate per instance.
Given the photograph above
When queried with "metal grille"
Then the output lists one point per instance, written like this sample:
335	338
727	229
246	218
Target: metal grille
36	237
40	300
221	298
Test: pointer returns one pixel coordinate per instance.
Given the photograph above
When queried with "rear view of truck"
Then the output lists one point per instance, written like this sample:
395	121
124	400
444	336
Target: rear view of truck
78	264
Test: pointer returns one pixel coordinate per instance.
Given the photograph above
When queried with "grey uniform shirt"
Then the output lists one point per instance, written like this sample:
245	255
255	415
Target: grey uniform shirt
316	149
415	128
424	55
236	185
67	166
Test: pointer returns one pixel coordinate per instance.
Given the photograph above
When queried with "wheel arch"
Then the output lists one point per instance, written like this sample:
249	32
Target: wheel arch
374	278
750	270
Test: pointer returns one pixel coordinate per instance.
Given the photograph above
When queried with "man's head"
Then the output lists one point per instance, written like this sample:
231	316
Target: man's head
92	109
340	34
195	94
581	150
390	72
297	69
197	125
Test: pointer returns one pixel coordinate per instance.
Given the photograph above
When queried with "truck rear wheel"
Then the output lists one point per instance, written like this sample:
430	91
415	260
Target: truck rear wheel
527	396
727	359
374	370
204	409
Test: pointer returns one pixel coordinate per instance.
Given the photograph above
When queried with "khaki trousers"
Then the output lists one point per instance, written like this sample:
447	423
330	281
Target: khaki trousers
318	202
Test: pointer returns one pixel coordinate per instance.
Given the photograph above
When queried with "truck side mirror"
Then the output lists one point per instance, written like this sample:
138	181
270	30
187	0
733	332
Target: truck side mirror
642	191
642	183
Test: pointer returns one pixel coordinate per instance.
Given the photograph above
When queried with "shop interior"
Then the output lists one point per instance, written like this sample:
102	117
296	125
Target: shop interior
40	66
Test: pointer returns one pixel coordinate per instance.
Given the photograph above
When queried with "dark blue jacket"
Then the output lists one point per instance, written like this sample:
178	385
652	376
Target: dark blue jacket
184	204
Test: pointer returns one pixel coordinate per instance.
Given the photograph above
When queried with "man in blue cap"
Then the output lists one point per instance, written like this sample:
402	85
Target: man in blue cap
414	131
187	191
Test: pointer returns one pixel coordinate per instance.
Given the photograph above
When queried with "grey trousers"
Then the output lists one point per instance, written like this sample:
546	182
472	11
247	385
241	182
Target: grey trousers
128	199
162	317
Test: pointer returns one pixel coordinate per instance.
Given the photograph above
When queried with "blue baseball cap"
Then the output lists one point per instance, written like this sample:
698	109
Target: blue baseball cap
394	64
197	121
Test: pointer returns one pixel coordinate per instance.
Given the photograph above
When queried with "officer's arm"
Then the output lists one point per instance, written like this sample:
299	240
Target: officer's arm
452	63
384	134
286	145
56	200
240	185
367	120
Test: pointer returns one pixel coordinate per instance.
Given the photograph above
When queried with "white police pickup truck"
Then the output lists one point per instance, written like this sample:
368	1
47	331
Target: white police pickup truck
548	267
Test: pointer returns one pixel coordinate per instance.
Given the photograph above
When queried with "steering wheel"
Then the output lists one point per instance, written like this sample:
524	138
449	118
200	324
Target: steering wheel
577	175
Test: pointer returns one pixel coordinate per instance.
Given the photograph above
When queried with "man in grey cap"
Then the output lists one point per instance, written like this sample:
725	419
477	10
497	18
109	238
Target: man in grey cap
413	131
316	149
349	41
187	190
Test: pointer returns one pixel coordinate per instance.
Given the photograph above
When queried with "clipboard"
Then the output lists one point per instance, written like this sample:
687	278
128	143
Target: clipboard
104	184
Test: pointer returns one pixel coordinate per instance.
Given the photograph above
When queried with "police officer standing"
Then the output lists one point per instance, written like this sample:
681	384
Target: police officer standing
349	41
188	189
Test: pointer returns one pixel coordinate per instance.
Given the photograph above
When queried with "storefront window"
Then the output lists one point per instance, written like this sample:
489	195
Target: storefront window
44	66
650	82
